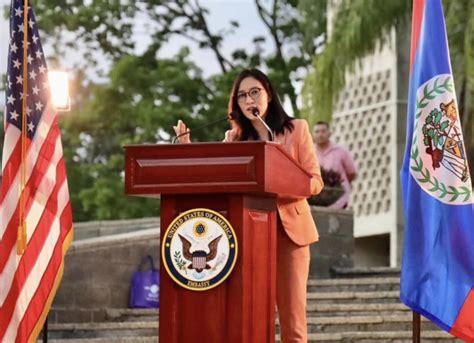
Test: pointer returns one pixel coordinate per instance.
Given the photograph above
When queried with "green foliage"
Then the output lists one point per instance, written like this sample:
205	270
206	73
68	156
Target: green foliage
360	26
142	101
96	23
105	29
460	26
313	23
438	187
143	95
292	34
179	261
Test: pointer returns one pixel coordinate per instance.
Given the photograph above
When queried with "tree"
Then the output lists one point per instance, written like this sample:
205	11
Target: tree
142	101
143	95
360	25
105	29
283	22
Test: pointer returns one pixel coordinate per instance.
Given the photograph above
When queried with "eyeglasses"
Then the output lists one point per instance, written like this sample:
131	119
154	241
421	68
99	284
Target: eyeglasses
254	93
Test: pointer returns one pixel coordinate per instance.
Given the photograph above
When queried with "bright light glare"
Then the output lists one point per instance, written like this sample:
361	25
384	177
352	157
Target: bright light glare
59	87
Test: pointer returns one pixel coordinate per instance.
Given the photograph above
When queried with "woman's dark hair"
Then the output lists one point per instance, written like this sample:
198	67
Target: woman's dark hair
277	119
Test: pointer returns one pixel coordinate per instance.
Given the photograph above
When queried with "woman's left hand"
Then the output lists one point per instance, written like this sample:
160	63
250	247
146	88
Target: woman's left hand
231	136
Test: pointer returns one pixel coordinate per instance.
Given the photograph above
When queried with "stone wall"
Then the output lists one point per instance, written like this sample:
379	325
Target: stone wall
97	275
98	270
98	228
336	241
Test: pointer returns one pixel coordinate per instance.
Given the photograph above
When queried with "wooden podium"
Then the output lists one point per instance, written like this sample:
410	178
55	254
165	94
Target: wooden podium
241	181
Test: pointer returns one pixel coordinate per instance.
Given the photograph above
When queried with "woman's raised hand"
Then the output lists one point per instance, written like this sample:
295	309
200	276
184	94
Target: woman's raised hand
181	128
231	135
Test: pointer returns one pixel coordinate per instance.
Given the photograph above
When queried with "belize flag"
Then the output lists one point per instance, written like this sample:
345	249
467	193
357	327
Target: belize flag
437	276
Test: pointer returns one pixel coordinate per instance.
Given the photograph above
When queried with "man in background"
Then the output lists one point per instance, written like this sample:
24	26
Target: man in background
333	157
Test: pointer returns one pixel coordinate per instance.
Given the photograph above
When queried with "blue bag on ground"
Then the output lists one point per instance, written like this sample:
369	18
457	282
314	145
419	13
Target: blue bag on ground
144	286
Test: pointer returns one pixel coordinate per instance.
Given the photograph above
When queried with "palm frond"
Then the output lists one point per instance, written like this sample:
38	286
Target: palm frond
359	26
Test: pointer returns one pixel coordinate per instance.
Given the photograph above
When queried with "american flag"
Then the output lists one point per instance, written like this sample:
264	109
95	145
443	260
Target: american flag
28	282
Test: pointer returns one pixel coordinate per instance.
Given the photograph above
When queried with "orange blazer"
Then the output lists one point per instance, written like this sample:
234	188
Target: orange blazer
295	214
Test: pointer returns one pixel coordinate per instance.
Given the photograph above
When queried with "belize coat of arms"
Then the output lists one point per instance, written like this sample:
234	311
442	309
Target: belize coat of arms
438	151
199	249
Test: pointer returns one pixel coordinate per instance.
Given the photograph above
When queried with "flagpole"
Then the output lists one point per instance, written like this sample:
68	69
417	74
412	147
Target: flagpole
45	331
21	238
416	327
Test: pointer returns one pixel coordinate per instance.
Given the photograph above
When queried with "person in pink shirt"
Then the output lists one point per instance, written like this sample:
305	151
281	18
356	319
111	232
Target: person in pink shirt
336	158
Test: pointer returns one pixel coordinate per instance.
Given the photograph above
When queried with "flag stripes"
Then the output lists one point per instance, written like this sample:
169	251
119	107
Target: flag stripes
29	281
11	173
32	264
8	212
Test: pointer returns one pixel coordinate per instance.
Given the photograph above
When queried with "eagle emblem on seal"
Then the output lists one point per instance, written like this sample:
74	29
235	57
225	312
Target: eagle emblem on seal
199	258
199	249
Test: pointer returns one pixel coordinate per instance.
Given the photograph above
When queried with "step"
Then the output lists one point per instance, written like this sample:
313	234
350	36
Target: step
354	336
377	337
150	339
103	330
358	272
319	309
364	323
354	285
348	309
353	297
132	314
313	310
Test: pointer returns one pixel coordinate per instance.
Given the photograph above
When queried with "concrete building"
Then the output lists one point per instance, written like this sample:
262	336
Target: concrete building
370	119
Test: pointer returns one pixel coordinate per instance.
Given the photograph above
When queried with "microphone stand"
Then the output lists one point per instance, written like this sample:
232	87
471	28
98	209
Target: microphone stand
229	117
256	113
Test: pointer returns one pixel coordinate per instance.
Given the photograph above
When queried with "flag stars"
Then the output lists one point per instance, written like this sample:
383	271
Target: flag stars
29	58
14	115
39	54
42	69
19	79
28	111
16	64
31	126
31	23
13	47
34	38
20	28
33	75
39	106
18	12
10	100
35	90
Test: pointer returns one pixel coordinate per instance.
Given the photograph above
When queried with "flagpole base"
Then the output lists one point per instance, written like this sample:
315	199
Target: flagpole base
416	327
45	331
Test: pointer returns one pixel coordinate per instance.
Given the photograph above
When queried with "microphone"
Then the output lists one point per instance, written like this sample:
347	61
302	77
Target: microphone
256	113
230	116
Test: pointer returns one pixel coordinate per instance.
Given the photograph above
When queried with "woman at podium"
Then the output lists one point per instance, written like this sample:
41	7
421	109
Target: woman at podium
257	114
